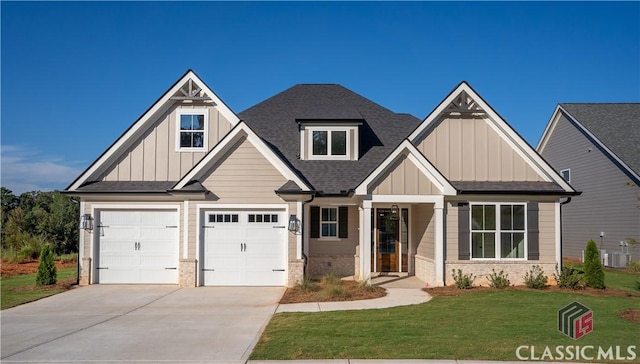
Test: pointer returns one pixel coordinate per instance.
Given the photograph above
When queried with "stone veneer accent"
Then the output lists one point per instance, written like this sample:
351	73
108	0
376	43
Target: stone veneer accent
356	263
187	273
482	269
296	272
425	269
340	265
85	272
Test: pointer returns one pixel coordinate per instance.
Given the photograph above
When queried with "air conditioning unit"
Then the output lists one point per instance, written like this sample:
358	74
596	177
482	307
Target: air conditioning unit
618	260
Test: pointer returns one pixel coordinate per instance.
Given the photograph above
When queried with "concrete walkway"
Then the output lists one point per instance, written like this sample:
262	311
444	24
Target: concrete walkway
401	291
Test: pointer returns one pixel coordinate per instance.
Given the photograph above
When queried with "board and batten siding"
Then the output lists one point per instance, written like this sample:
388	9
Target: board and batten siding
609	202
153	156
468	149
404	178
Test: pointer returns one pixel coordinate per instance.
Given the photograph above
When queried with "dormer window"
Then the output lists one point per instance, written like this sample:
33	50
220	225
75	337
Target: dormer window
192	130
332	141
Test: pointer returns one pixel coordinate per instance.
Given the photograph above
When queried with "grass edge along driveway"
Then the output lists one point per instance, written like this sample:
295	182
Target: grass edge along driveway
481	325
20	289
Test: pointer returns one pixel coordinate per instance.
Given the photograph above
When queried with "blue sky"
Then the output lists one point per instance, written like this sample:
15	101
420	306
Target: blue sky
76	75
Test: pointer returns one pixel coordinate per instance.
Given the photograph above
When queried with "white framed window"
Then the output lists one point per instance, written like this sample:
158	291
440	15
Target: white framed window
329	143
329	222
498	231
566	174
192	130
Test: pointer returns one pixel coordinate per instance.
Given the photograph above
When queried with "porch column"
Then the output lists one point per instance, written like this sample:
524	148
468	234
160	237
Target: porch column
439	243
365	241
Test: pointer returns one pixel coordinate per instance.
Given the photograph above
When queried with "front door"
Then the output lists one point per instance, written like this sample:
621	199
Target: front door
388	242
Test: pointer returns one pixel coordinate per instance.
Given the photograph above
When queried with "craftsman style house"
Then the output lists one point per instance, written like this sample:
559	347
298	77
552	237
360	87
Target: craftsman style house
315	179
596	148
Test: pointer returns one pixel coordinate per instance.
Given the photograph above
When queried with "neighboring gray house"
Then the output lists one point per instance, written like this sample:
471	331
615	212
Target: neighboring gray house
596	148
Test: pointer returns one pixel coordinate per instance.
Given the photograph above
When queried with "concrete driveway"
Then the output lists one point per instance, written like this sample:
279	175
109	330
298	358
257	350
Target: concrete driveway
139	323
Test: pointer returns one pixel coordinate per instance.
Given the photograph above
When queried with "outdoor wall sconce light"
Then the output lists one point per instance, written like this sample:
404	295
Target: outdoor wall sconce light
86	222
395	212
294	223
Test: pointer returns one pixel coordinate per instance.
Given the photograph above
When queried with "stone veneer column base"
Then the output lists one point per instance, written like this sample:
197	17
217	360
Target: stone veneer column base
187	273
85	272
296	272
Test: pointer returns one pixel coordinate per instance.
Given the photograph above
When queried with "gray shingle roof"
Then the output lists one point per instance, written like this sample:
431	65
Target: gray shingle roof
275	121
617	126
507	187
138	186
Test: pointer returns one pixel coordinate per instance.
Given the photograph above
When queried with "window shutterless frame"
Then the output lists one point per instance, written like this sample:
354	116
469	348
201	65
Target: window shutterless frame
505	230
192	130
330	142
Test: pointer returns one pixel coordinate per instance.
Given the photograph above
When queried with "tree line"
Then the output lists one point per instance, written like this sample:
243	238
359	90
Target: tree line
35	219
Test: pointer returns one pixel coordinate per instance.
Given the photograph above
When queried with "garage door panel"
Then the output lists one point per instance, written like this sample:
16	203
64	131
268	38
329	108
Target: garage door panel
248	252
138	246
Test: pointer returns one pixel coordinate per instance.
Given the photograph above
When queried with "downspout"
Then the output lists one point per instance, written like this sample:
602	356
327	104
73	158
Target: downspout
305	259
561	234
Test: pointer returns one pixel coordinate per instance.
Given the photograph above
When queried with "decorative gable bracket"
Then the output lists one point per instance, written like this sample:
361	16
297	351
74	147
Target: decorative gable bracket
463	104
191	92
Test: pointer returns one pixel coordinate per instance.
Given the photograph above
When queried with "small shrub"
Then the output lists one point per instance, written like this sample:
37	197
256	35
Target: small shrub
499	280
638	285
634	266
593	270
463	281
535	278
331	279
306	285
569	277
47	274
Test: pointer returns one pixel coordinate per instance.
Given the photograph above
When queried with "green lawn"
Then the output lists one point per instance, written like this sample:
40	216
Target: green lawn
476	325
16	290
621	279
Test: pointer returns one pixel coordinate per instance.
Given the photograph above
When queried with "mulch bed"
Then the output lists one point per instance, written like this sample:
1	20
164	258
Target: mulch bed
28	267
453	291
351	292
632	314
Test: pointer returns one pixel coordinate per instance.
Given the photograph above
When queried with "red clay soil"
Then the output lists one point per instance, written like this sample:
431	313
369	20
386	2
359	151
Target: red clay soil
29	267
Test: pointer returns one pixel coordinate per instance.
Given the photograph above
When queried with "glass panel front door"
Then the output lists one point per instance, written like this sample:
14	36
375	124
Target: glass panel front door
388	245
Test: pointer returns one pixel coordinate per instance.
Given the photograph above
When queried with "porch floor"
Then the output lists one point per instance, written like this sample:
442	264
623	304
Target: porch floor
389	281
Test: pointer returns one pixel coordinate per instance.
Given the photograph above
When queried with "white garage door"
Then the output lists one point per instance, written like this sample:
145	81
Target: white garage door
139	247
244	248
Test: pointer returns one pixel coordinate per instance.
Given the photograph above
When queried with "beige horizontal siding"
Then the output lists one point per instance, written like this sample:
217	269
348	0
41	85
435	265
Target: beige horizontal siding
452	231
336	246
469	149
243	175
422	230
547	231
